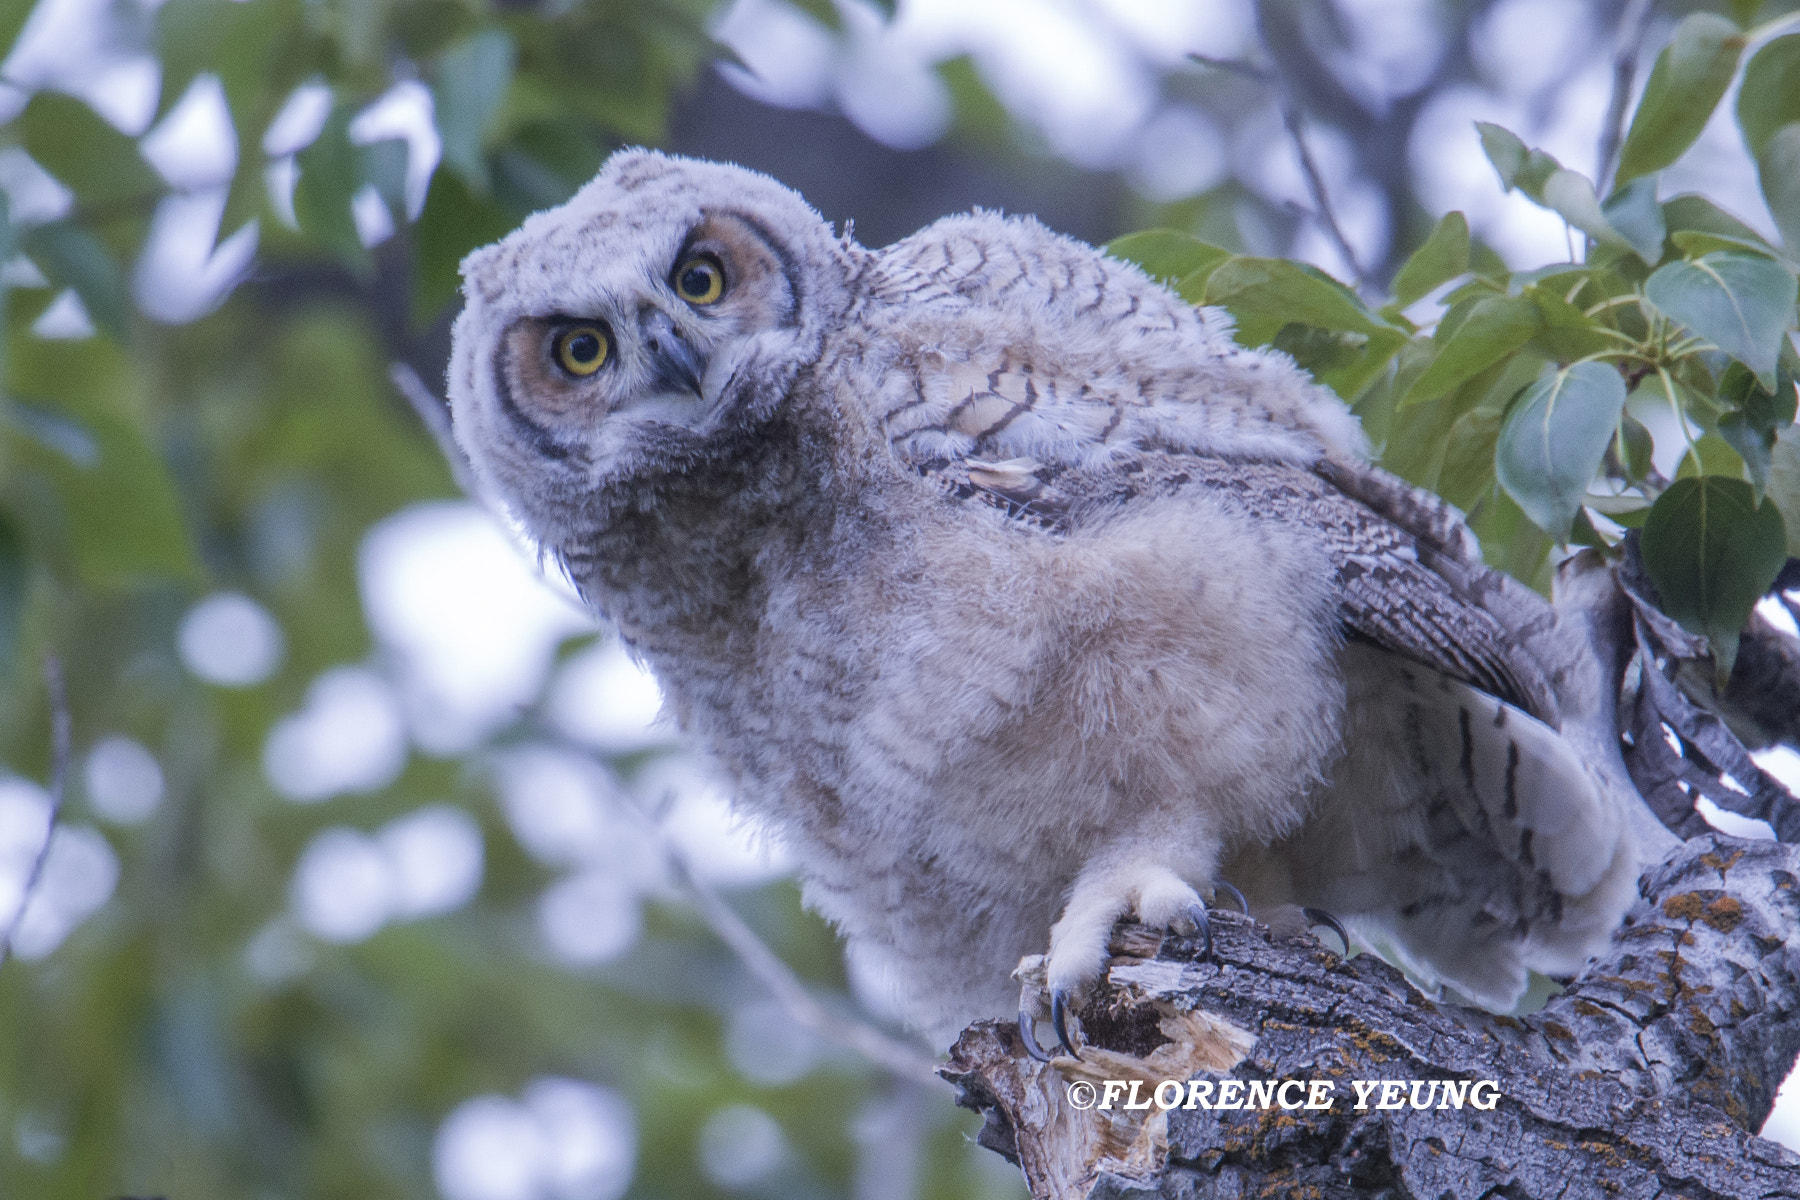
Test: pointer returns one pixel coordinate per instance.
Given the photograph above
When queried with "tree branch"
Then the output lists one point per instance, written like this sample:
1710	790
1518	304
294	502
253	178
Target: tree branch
60	755
1633	21
1315	183
1641	1080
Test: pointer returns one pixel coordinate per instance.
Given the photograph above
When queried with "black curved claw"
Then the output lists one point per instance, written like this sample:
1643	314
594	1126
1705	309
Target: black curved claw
1059	1017
1318	916
1028	1035
1219	885
1202	927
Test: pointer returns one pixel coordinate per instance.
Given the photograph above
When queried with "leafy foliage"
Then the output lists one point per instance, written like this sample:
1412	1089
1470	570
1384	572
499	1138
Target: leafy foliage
1534	394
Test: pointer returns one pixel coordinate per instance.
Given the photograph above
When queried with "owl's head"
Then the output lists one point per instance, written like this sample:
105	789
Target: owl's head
661	312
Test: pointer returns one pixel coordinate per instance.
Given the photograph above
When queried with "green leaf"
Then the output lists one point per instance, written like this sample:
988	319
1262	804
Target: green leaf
1765	410
331	173
1634	213
1783	487
1554	440
1778	167
117	505
1756	418
1710	455
1690	76
1519	166
1740	303
1443	257
14	579
1568	333
1751	445
1493	328
1509	540
1468	469
470	82
1351	379
823	11
454	222
1693	243
7	235
12	19
1291	291
1637	448
74	258
1570	195
1712	552
1690	211
1769	96
384	166
98	163
1166	255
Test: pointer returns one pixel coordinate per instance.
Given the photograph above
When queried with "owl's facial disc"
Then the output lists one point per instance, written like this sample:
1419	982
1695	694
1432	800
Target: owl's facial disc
664	353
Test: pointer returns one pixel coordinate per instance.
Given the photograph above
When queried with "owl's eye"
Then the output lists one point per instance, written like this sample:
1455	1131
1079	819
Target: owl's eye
581	349
700	279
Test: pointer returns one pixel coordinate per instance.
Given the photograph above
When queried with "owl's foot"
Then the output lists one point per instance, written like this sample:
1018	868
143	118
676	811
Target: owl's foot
1154	898
1153	894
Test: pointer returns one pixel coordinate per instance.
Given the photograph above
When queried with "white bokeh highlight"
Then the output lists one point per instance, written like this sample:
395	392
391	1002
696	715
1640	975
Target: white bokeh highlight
348	737
603	698
740	1145
348	884
563	1139
473	624
767	1046
589	918
230	640
124	781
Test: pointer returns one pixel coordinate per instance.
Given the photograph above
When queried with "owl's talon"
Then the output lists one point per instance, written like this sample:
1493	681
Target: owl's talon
1028	1035
1318	916
1202	927
1059	1005
1219	885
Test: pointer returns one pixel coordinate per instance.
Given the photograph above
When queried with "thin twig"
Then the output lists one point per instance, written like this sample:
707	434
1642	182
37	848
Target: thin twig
1291	118
1633	21
435	416
891	1054
60	754
1236	66
886	1052
1315	182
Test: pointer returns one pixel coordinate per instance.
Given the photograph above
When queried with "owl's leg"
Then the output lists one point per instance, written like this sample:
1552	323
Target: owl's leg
1031	1009
1103	893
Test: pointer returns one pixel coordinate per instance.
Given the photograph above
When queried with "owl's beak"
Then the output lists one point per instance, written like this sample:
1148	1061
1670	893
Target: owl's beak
678	368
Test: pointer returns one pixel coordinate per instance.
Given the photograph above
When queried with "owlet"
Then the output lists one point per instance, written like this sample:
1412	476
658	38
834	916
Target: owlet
1019	598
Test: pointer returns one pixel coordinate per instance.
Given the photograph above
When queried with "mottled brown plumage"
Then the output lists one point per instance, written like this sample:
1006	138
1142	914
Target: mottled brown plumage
1019	597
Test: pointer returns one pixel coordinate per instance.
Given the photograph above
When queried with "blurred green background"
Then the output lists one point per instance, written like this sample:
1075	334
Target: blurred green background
361	882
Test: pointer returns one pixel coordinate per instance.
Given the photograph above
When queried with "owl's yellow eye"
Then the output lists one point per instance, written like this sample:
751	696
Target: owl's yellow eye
581	349
700	279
